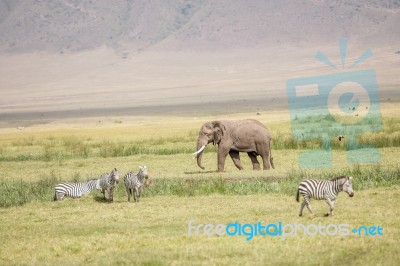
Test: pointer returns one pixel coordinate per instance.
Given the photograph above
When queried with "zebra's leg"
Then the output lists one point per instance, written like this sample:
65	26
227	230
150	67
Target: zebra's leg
307	202
59	196
302	207
135	194
140	193
128	191
331	206
111	194
56	197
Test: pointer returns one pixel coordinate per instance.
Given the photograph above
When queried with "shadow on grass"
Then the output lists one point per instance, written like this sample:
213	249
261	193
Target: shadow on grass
117	200
200	172
101	199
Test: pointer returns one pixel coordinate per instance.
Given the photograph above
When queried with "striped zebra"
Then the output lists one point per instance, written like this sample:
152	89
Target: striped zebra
323	189
134	183
74	190
107	183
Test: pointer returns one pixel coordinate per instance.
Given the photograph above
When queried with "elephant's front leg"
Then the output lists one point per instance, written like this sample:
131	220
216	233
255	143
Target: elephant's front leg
254	161
236	159
222	153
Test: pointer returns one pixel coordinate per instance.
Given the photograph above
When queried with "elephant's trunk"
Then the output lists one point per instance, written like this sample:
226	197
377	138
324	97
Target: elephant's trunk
199	154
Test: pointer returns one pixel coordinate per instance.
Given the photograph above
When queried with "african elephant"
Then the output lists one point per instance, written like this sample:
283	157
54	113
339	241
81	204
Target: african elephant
233	137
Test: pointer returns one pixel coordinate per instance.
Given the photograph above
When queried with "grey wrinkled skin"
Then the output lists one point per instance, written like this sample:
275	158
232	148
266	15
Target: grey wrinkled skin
233	137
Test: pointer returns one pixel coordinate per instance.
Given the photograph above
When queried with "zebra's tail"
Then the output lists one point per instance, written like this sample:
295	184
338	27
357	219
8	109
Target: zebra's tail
55	196
298	195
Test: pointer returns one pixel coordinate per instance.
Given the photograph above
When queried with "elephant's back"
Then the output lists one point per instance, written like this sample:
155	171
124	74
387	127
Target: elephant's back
252	127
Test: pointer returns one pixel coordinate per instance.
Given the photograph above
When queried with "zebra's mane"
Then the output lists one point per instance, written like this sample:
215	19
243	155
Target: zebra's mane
90	180
339	177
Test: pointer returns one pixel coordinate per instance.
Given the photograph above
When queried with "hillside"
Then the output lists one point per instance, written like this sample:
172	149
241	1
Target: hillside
81	56
67	25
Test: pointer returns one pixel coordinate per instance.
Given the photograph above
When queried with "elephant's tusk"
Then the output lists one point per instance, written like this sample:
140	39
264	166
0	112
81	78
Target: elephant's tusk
200	150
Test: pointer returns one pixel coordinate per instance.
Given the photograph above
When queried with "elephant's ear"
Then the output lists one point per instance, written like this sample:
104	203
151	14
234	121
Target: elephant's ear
219	130
217	125
217	138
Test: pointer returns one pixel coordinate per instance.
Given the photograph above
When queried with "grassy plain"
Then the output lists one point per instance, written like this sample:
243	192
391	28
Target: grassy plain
155	232
35	230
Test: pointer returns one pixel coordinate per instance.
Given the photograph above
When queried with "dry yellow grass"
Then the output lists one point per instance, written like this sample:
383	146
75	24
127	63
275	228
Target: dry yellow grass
154	232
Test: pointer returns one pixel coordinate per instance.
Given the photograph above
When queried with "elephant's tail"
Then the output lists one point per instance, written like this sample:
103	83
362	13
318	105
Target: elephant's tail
271	159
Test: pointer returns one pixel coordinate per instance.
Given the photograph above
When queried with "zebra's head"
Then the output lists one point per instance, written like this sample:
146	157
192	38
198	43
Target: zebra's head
348	186
114	176
143	172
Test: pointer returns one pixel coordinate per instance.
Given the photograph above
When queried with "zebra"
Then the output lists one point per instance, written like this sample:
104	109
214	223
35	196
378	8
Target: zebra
134	183
107	183
323	189
74	190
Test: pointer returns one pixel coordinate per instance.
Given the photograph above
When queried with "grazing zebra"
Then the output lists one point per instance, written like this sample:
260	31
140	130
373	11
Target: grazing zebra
107	183
323	189
134	183
74	190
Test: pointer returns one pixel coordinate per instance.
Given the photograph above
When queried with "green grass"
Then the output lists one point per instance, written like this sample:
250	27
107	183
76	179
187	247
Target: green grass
155	231
35	230
18	192
73	146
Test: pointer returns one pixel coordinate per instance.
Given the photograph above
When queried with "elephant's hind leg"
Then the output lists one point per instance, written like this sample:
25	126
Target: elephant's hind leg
265	159
264	153
254	161
236	159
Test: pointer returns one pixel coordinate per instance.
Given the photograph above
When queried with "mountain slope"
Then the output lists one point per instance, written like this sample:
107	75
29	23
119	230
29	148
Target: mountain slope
68	25
89	57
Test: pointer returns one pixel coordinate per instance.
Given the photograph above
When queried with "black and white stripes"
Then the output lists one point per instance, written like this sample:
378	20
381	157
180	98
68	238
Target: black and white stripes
134	183
74	190
107	183
323	189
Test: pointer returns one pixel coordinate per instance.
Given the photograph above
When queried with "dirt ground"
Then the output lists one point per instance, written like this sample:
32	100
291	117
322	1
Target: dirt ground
41	88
